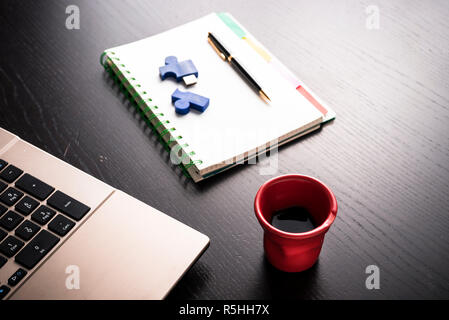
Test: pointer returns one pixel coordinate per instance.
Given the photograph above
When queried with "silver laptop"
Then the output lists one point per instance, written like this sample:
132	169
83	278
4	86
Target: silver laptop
67	235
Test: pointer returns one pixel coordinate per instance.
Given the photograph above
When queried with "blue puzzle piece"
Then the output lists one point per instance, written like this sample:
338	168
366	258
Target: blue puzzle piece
183	101
176	69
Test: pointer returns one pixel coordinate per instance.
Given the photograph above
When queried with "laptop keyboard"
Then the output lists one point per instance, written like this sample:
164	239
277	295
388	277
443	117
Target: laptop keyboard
27	206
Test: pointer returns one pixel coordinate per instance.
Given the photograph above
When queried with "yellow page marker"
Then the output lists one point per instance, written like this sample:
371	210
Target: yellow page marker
259	50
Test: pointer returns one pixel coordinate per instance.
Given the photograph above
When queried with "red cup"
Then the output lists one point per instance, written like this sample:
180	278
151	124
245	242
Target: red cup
294	252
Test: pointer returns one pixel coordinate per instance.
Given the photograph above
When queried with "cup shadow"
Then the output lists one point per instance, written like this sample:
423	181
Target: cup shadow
289	286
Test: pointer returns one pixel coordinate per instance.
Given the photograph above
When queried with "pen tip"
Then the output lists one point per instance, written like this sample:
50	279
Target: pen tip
264	96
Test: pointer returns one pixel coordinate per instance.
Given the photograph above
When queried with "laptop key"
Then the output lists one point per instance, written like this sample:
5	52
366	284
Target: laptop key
2	186
16	277
26	205
43	215
11	173
3	234
3	260
10	220
35	187
3	164
4	290
61	225
27	230
67	205
10	196
2	210
10	246
36	249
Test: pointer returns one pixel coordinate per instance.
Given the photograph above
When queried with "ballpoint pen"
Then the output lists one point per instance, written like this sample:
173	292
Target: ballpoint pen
226	56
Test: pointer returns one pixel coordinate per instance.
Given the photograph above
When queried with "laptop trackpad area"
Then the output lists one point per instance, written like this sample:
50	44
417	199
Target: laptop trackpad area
125	250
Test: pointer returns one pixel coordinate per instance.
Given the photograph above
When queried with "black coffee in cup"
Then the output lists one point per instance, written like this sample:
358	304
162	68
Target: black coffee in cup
294	220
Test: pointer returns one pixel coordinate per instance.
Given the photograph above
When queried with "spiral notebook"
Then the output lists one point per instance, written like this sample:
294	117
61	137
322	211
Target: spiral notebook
238	125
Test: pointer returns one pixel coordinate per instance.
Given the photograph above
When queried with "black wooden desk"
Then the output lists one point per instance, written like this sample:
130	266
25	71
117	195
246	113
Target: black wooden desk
385	156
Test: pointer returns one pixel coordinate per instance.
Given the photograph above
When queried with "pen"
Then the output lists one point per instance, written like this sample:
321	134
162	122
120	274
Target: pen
226	56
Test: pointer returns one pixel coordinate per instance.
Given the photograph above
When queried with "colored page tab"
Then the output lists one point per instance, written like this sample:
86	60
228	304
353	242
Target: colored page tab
286	73
258	49
231	24
312	100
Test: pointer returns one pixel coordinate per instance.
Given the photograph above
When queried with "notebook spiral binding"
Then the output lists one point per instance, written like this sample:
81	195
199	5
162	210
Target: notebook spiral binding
140	100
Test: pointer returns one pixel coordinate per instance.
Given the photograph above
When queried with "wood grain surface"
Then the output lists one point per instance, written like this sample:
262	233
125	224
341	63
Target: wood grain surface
385	156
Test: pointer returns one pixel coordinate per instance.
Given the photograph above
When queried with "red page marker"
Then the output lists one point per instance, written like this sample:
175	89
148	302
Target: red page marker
312	100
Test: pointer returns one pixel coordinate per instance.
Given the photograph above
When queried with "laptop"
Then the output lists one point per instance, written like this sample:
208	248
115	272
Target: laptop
66	235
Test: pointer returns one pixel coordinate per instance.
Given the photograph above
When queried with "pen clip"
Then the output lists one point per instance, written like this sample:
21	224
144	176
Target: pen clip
221	54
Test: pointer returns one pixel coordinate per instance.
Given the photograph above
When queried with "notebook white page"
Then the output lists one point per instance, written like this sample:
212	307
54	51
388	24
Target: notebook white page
237	119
